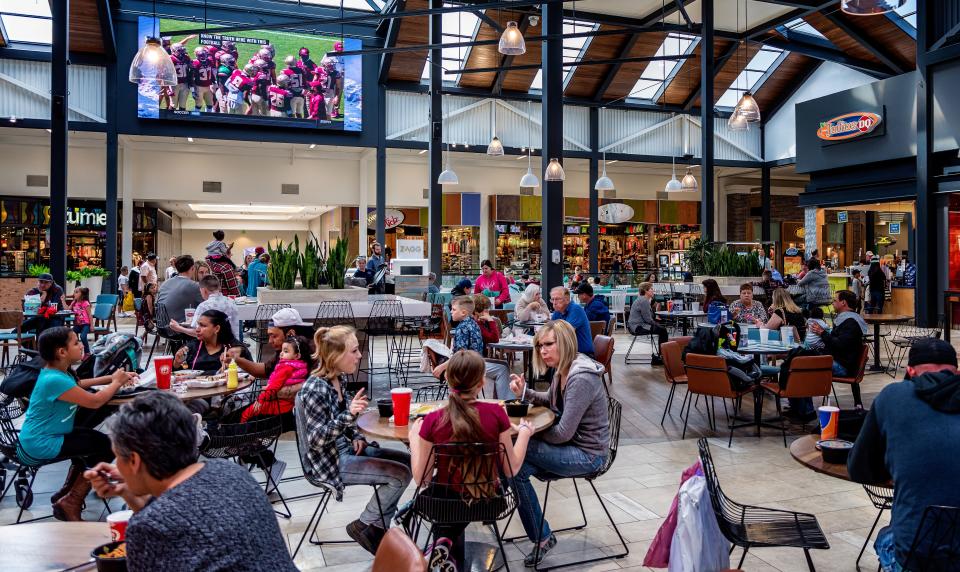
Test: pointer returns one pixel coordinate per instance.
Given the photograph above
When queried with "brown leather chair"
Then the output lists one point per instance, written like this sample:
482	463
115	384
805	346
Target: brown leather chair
673	371
707	376
398	553
854	381
598	328
611	326
809	376
603	353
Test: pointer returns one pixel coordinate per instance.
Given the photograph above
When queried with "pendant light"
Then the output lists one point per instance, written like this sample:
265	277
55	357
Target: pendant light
673	185
870	7
495	148
448	176
554	171
604	183
748	107
511	41
152	64
529	180
689	182
737	122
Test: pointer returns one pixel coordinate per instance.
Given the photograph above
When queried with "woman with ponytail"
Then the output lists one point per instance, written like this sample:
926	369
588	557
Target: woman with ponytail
464	420
339	454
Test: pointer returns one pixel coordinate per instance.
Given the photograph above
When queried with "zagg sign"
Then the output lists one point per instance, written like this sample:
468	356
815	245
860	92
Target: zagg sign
849	126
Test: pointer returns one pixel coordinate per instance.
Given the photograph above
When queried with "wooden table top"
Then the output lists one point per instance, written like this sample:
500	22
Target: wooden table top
51	545
377	427
805	451
192	394
885	318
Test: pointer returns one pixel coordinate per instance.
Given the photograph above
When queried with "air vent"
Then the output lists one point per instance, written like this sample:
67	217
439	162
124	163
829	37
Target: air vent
212	187
426	193
37	181
289	189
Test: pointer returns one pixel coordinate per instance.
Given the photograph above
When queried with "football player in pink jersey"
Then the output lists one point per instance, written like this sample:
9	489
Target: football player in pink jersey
279	96
295	85
204	75
184	69
318	109
259	104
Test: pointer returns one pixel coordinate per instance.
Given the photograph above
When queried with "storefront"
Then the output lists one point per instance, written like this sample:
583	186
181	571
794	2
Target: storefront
24	239
399	223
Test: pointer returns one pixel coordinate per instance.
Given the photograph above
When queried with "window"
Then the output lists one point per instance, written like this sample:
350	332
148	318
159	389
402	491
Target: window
458	27
347	4
573	49
800	26
752	77
657	73
26	21
909	12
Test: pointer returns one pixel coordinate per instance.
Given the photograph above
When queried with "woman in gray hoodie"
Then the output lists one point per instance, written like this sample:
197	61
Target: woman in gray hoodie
816	287
578	442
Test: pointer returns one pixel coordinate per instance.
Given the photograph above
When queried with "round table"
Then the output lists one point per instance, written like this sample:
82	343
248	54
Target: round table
518	347
192	394
51	545
683	316
877	320
805	451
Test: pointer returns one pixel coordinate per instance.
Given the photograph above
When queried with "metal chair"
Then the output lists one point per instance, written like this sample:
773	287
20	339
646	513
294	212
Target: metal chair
12	320
673	370
707	375
882	499
114	301
855	381
752	526
171	340
386	321
334	313
936	545
808	376
261	324
103	313
618	306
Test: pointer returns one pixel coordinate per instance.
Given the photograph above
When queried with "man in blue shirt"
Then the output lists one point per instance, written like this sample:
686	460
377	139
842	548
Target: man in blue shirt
575	316
593	306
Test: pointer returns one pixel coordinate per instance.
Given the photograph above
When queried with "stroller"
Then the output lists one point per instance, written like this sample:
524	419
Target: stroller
110	353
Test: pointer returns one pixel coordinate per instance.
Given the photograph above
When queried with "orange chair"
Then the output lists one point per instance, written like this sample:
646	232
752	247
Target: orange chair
398	553
855	381
707	376
809	376
673	372
598	328
603	353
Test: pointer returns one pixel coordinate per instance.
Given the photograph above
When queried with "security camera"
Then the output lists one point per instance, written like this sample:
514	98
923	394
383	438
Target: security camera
534	20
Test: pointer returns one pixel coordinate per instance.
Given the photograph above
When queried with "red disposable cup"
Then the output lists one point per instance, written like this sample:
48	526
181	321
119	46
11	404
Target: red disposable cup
118	524
163	366
401	405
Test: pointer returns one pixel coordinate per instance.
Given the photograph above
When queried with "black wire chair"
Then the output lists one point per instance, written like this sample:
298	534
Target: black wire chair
936	545
882	499
172	340
327	490
261	322
252	442
386	320
752	526
476	487
334	313
614	411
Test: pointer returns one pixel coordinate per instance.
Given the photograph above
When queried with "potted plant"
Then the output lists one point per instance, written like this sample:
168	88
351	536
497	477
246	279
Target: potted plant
91	277
315	266
38	269
337	264
313	263
284	262
729	268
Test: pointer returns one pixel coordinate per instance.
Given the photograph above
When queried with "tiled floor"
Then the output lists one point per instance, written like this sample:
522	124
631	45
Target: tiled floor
638	489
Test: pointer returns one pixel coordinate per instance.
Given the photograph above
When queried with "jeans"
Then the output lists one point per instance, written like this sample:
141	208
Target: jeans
546	459
82	331
496	382
886	550
86	447
877	298
839	370
389	468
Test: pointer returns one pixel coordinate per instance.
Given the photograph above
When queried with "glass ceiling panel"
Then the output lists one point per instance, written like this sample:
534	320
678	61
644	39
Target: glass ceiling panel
656	73
801	26
573	49
751	78
347	4
27	29
909	12
458	27
27	7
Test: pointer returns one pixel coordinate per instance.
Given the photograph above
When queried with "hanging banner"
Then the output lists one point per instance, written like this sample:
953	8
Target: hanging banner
392	218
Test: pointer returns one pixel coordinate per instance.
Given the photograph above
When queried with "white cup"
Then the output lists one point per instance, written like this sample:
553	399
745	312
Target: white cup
188	314
787	335
764	335
695	306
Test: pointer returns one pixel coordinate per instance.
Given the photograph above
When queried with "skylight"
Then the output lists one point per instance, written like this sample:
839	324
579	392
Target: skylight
458	27
803	27
347	4
752	77
656	73
573	49
26	21
909	12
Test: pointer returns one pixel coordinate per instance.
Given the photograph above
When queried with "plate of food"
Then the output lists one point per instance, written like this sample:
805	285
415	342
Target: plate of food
206	381
185	374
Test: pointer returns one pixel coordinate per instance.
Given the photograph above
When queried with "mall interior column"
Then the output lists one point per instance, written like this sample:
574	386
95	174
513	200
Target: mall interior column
594	193
110	256
126	222
927	244
364	200
551	117
765	202
58	138
381	166
706	122
435	226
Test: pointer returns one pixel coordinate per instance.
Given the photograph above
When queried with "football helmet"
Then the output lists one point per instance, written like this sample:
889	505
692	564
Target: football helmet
228	46
328	63
228	60
338	46
271	49
264	54
282	80
290	61
180	51
260	64
304	53
201	53
250	70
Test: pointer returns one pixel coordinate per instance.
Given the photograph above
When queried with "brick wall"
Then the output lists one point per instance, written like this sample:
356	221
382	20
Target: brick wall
783	208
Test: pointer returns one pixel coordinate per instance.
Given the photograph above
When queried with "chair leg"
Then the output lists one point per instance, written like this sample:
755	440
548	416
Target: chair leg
687	418
503	552
543	514
743	556
276	487
806	553
666	407
783	424
321	504
876	521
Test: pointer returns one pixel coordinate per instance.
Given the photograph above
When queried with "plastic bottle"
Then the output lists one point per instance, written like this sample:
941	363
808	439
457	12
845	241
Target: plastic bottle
233	379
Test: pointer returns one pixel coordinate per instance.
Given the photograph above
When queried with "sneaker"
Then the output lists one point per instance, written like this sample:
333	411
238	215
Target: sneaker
438	554
656	360
534	558
365	535
201	432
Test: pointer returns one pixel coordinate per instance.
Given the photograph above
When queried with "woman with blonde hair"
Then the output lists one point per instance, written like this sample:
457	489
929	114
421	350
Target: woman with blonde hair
531	305
578	443
339	454
785	312
464	420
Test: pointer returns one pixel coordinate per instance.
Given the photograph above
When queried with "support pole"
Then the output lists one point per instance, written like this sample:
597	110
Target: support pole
551	112
929	290
126	221
110	255
706	122
594	193
435	226
765	202
381	169
60	54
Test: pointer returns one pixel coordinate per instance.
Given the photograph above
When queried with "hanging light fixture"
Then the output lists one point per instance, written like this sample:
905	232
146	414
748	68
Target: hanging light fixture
495	148
870	7
152	64
737	122
554	171
448	176
748	108
604	183
529	180
511	41
673	185
689	182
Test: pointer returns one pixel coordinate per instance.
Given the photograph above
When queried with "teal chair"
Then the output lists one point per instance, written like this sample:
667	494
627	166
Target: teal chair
509	305
11	320
103	314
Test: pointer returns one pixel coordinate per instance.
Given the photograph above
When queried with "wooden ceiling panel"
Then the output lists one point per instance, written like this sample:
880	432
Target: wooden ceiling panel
414	31
886	36
647	45
794	68
85	33
520	80
729	72
687	79
487	56
586	80
839	38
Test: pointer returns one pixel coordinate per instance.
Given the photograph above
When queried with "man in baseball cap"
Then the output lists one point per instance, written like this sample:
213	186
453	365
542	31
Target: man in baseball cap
911	436
50	293
285	322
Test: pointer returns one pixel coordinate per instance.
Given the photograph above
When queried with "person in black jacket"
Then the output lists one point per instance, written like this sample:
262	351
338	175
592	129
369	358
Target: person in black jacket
912	436
844	342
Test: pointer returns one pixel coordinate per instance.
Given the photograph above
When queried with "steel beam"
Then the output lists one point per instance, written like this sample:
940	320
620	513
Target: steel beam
829	55
59	52
435	198
551	239
594	250
717	66
929	289
381	171
393	31
764	194
570	64
608	79
706	122
113	229
107	34
868	44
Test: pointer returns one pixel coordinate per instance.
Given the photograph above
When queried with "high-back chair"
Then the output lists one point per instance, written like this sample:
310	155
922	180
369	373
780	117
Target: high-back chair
603	353
114	301
103	313
334	313
808	376
597	328
707	375
673	369
855	381
398	553
261	324
936	545
618	306
12	320
882	499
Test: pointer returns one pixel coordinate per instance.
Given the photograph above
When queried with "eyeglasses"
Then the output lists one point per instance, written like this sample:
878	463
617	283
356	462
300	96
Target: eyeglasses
540	345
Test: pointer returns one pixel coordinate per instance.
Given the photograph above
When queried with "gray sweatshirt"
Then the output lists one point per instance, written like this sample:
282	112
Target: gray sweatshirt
582	418
641	315
816	286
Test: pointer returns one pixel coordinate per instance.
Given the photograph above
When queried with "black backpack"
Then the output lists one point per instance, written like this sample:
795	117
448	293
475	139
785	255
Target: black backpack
21	378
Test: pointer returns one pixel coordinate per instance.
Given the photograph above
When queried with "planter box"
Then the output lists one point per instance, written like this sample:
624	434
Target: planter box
267	295
729	280
95	284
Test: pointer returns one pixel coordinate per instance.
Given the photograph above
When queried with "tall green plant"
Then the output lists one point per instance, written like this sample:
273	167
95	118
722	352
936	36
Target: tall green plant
337	263
284	263
699	254
313	262
38	269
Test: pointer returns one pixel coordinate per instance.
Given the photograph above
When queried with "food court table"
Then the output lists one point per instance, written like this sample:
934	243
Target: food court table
805	451
192	394
478	555
361	309
683	317
518	347
877	320
45	546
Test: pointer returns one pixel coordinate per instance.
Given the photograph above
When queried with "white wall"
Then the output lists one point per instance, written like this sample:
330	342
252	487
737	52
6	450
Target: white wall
781	130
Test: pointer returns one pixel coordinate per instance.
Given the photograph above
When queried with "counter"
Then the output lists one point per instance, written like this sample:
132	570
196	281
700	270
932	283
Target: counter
901	301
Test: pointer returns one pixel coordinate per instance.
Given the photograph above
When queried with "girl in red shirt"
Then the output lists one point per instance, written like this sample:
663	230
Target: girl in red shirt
489	326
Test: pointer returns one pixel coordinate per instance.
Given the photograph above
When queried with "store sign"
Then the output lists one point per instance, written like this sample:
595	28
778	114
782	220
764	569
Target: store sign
849	126
79	216
392	218
886	241
792	252
842	216
410	249
614	213
893	228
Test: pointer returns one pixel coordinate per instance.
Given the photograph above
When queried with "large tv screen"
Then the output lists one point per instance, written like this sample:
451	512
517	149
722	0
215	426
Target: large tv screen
255	77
